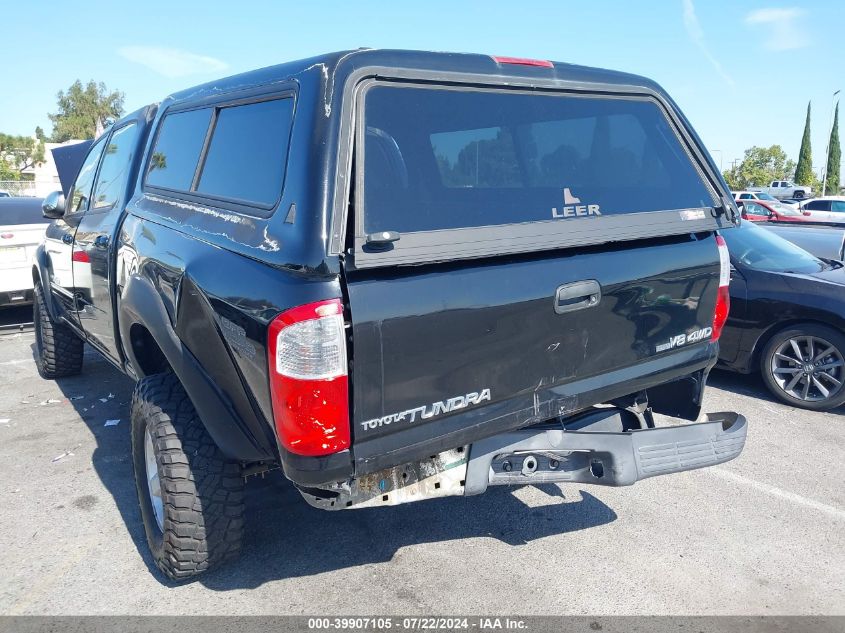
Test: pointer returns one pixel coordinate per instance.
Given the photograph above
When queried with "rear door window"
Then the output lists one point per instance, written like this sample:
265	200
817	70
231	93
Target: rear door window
817	205
451	159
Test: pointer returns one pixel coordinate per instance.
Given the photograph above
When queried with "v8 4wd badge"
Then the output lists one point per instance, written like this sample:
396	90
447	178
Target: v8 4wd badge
685	339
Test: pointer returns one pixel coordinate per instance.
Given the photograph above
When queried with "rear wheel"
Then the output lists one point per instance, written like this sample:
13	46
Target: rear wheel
798	195
58	351
804	366
191	496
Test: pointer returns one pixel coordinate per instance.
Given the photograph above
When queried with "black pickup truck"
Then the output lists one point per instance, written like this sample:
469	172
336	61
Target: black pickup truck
394	275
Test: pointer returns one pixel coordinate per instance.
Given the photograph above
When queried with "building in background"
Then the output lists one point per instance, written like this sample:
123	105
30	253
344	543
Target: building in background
45	178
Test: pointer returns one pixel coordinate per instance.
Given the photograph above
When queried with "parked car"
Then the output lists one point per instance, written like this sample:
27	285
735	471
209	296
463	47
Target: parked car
825	242
787	319
5	194
785	189
792	202
430	331
752	195
765	211
830	209
21	230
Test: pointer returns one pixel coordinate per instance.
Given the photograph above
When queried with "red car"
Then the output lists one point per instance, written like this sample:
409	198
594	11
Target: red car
767	211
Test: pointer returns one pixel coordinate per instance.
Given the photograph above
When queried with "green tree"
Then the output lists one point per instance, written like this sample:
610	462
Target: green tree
804	170
482	163
760	166
19	153
83	112
834	158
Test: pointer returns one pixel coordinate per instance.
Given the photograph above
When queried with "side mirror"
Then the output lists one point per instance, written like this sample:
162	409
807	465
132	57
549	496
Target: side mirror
53	206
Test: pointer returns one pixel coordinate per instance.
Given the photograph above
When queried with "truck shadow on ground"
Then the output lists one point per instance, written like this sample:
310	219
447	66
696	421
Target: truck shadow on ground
111	459
285	537
750	385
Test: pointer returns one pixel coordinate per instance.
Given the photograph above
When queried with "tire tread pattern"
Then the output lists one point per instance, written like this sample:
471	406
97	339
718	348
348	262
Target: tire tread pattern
60	351
202	491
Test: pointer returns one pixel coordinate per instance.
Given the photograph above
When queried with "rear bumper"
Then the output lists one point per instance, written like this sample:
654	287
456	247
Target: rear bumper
15	297
543	455
529	456
16	285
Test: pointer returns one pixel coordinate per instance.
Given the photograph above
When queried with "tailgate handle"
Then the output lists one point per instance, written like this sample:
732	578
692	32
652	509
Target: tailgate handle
577	296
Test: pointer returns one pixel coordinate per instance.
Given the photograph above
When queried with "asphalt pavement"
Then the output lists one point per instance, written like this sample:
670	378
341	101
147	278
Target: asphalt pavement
759	535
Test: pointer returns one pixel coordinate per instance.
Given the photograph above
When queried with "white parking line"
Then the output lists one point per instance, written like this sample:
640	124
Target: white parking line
777	492
17	362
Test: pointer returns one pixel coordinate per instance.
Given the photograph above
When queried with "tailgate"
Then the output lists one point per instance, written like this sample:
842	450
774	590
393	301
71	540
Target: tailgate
446	347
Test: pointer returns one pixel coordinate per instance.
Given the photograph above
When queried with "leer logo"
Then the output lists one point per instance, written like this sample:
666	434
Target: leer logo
572	207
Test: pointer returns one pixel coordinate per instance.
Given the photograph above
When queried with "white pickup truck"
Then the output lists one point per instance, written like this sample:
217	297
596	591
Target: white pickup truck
782	189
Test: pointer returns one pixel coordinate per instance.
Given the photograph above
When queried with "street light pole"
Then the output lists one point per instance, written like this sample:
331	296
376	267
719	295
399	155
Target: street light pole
827	150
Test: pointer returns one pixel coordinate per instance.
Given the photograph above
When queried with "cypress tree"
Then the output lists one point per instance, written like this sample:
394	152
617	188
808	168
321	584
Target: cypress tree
834	157
804	170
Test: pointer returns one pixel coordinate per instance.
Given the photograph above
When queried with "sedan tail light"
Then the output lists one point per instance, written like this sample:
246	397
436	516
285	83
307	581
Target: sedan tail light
308	378
723	298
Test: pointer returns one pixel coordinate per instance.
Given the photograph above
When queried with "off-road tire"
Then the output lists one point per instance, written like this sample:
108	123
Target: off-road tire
833	337
58	350
202	491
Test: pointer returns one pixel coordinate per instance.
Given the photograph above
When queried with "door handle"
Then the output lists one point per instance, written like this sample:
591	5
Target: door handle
67	238
101	241
577	296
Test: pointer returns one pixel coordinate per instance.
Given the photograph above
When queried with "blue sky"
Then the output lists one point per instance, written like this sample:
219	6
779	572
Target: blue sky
742	71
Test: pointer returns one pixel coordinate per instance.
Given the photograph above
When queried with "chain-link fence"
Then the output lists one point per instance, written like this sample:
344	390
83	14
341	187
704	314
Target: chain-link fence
18	188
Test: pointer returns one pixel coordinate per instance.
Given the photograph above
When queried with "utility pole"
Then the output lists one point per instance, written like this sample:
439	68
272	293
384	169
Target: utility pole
721	166
827	150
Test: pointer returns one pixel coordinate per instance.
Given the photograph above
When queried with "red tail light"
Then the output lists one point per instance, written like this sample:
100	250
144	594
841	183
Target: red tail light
723	299
81	257
522	61
308	378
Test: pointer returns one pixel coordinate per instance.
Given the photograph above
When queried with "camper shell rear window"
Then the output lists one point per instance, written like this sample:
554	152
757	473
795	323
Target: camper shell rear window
451	160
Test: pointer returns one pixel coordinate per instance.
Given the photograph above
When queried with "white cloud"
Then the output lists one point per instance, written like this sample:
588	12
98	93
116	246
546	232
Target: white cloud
784	30
696	34
172	62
